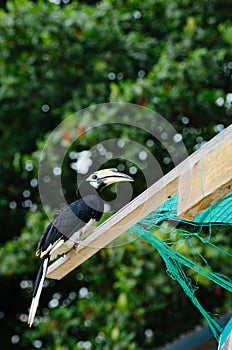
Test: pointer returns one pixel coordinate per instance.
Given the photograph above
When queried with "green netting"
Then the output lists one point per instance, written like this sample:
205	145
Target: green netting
220	212
188	248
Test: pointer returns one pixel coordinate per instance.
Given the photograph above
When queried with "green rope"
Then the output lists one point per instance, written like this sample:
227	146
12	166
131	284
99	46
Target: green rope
173	261
182	259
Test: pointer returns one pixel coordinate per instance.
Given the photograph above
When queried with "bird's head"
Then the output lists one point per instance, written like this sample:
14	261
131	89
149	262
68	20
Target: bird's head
102	178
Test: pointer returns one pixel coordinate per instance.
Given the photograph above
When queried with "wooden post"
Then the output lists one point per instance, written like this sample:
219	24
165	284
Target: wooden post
211	180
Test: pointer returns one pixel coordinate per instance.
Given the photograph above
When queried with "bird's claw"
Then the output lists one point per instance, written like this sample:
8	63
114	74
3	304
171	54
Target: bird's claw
75	245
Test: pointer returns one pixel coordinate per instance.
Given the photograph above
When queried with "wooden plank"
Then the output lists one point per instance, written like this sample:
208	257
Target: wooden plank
134	211
206	182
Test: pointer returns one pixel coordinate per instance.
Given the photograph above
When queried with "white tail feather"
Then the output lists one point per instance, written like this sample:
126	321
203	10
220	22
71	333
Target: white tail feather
35	300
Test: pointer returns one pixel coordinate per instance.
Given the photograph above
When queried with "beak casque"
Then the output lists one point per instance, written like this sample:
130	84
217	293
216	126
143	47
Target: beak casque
114	178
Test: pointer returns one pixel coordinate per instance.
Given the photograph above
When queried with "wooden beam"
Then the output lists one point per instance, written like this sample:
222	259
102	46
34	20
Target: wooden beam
134	211
211	180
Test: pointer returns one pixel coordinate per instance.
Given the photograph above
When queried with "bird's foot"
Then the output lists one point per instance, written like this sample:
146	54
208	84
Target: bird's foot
76	244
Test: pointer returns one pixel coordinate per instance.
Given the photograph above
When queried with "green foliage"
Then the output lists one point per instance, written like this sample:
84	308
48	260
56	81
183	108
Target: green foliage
16	255
171	56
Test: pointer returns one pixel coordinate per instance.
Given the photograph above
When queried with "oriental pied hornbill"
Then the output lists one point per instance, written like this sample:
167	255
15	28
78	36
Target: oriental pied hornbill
67	227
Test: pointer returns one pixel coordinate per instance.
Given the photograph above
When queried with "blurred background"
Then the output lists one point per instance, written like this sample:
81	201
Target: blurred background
57	57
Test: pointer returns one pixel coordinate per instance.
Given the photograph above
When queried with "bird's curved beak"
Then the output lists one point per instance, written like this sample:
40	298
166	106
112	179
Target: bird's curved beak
110	176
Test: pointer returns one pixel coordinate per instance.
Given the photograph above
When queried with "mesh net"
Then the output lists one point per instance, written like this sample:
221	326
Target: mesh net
192	250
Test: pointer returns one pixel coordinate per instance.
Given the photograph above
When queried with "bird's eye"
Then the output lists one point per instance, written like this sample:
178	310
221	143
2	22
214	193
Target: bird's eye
94	177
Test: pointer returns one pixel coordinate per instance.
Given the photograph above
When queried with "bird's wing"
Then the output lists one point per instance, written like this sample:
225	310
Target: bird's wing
42	239
89	207
70	220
